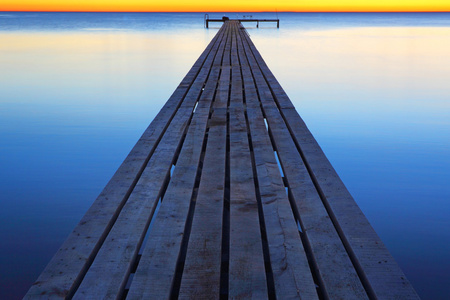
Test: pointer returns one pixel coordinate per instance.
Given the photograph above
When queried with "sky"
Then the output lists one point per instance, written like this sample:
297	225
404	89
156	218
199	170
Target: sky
225	5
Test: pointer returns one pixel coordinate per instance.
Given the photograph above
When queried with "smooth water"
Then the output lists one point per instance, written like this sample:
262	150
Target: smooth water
78	89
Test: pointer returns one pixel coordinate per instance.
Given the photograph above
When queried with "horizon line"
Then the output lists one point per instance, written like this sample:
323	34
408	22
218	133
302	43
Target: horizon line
243	11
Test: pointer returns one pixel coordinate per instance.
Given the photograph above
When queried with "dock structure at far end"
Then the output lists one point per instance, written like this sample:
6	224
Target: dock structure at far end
244	20
226	195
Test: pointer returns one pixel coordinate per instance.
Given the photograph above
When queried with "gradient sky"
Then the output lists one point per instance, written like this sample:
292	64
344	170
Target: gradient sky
224	5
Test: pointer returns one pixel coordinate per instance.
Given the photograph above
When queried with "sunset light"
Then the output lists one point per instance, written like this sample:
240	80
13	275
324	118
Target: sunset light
227	5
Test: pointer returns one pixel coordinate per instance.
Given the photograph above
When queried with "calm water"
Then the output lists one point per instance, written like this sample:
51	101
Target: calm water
77	90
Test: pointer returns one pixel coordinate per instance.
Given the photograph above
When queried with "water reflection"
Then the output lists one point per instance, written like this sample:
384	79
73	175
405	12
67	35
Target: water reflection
72	105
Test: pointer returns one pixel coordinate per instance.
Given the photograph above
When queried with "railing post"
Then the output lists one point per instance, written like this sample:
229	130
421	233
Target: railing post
206	19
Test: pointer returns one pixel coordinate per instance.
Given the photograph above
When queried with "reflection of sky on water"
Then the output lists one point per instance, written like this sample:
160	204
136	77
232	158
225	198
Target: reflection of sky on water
378	101
72	105
76	95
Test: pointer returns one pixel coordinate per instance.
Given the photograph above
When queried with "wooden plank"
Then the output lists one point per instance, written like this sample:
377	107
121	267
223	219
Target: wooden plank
292	275
381	275
156	271
119	251
334	265
201	274
247	277
376	265
64	272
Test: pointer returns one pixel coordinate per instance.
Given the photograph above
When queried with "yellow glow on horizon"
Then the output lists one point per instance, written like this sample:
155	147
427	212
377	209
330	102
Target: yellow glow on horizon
226	5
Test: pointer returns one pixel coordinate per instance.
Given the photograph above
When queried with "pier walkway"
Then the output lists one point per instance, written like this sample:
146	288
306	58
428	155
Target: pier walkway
250	20
226	195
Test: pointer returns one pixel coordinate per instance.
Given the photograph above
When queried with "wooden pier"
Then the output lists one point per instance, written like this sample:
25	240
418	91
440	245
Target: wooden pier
226	195
250	20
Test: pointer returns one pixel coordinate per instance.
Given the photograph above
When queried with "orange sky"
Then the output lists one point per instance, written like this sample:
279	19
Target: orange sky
224	5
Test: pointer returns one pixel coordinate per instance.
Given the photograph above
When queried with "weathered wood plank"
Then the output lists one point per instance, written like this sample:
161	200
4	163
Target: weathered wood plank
247	277
292	275
380	273
156	271
201	274
65	271
340	280
374	262
118	253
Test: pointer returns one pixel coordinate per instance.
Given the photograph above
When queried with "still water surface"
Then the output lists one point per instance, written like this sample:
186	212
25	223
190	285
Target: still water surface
78	89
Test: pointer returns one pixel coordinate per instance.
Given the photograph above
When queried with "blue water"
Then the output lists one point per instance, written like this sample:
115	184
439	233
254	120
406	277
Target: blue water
78	89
